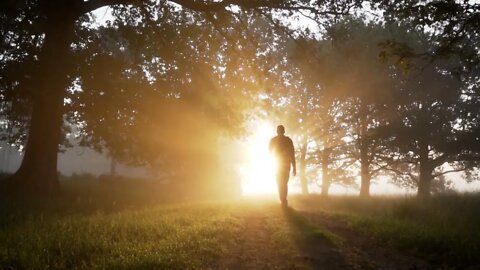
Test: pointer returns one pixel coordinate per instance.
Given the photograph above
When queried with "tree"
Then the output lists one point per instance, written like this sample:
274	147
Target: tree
40	52
453	27
357	81
429	128
323	117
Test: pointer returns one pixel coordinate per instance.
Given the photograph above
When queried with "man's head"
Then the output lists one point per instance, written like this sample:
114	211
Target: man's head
280	130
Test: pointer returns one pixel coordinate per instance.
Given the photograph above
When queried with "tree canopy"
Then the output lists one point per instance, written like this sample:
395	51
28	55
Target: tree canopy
163	82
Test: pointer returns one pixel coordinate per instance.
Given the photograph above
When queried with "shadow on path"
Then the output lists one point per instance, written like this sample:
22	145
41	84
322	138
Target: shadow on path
363	252
320	248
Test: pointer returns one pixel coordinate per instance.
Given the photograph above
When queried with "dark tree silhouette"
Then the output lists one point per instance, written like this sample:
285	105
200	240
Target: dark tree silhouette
39	50
454	27
431	127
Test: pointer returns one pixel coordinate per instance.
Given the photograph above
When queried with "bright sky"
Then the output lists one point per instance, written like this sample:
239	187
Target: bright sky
257	170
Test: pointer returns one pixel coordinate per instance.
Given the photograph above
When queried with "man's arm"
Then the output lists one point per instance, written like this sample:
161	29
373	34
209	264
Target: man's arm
292	158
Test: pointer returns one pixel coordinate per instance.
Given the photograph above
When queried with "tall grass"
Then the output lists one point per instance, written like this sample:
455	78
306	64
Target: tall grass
121	224
162	237
442	229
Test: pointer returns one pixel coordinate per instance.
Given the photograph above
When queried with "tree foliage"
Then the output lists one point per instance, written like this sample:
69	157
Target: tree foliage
163	82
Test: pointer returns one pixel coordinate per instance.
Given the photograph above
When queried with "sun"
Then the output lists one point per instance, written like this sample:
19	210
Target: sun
258	169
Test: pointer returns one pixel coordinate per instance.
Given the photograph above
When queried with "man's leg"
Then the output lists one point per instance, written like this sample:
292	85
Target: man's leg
285	186
282	182
280	186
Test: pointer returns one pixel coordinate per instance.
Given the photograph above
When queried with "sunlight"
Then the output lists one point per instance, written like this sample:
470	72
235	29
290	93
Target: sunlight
258	169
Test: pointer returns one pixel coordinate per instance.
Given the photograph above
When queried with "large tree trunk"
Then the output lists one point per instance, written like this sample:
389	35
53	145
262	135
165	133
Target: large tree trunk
365	176
364	159
325	172
426	169
38	170
302	168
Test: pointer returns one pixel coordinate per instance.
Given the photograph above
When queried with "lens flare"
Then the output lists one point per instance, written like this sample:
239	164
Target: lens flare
258	169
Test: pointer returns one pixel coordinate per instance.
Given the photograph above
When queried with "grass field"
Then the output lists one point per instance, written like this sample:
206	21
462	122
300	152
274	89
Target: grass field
442	229
128	227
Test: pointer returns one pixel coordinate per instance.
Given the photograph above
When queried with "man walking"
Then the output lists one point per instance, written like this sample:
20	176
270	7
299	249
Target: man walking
282	147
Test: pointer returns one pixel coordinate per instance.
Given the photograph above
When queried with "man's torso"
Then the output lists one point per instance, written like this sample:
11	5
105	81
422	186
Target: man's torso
282	147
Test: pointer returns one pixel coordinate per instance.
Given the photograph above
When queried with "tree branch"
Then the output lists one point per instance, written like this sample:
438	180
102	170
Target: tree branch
449	171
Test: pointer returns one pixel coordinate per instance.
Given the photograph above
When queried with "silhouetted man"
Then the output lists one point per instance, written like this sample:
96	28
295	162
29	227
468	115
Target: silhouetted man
282	147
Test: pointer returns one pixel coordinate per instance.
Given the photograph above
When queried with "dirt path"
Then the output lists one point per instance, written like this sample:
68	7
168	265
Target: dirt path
259	245
276	240
253	248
